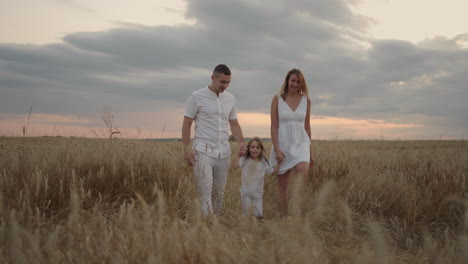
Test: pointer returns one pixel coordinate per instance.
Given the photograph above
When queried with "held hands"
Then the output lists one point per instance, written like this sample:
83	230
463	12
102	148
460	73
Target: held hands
279	155
279	159
242	149
240	153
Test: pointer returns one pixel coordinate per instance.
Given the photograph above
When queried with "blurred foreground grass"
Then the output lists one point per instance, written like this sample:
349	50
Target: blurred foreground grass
131	201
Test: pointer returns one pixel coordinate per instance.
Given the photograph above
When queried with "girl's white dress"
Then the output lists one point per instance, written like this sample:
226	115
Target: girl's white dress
292	136
252	181
252	177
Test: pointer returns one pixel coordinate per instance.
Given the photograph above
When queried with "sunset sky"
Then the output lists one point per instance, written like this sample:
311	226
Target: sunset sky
376	69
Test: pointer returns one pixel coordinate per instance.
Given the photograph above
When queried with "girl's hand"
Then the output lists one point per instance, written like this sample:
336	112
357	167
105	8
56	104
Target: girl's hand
242	149
241	153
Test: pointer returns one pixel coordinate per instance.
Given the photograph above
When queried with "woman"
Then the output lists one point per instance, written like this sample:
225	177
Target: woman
290	133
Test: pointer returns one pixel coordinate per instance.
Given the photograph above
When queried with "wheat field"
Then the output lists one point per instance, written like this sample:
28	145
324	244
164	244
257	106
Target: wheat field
75	200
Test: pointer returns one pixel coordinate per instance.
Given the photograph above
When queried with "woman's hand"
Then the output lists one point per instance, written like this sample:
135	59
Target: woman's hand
311	162
279	155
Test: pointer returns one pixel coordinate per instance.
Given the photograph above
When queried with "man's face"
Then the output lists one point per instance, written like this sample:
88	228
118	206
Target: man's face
220	82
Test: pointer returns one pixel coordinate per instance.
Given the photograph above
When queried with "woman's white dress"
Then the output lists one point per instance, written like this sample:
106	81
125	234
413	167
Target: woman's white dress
292	136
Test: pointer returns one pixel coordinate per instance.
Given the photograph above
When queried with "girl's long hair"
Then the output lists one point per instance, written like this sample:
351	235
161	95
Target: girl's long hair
262	156
284	88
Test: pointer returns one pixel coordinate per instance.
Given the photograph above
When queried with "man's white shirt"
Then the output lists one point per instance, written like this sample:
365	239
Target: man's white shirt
211	115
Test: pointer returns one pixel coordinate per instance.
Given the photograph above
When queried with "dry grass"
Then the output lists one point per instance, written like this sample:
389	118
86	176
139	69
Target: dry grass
127	201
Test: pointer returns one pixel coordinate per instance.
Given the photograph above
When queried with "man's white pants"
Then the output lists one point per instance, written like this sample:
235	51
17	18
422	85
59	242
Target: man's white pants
211	174
252	205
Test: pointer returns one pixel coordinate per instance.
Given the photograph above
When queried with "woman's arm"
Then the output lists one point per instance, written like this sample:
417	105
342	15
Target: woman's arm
307	119
274	129
307	129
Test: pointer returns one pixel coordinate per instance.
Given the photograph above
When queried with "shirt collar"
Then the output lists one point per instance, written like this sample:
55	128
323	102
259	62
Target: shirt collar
213	93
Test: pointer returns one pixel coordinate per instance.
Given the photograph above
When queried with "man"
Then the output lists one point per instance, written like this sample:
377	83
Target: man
213	110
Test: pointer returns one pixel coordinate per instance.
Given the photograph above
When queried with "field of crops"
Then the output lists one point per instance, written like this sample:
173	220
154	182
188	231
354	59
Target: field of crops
75	200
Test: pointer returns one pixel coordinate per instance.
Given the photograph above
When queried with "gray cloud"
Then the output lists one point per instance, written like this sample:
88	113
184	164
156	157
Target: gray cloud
349	74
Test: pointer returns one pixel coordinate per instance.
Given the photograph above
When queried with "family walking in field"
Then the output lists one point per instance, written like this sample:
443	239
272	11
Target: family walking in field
214	111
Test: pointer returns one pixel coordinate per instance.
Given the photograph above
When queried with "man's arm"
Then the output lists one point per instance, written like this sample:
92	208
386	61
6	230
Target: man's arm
236	131
186	126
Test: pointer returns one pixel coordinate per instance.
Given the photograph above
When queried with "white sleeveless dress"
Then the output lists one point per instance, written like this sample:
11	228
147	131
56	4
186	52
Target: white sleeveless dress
292	136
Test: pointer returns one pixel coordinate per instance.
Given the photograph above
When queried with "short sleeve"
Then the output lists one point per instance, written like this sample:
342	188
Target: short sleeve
191	107
241	162
233	113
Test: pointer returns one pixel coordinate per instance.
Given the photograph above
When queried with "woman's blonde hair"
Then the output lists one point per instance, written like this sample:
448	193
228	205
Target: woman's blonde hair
284	89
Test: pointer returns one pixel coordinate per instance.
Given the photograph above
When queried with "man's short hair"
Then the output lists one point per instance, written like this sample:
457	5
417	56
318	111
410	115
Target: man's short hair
222	69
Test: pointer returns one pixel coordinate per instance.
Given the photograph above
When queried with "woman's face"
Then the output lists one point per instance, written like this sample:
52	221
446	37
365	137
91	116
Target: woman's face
294	84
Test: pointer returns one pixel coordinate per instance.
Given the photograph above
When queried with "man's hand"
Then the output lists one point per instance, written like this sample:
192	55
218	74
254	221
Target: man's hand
189	155
189	158
242	149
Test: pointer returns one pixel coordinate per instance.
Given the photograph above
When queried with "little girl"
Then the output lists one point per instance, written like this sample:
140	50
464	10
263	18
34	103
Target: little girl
254	165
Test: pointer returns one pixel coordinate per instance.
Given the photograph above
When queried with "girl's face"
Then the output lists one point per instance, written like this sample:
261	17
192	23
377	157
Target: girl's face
294	84
255	150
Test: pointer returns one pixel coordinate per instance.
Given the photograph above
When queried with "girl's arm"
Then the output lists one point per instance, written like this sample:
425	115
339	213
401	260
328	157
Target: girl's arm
276	169
235	160
272	170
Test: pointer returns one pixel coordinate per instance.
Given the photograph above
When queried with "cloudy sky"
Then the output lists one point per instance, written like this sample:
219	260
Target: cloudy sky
376	69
